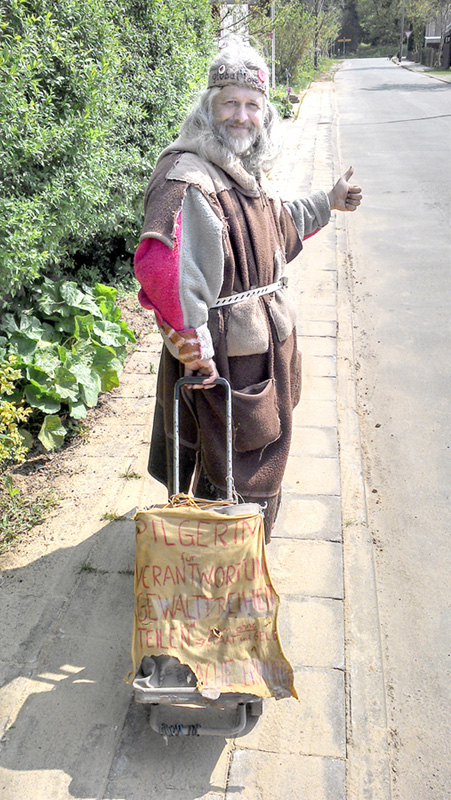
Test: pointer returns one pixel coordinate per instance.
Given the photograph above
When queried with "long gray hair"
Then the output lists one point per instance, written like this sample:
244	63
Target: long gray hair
199	124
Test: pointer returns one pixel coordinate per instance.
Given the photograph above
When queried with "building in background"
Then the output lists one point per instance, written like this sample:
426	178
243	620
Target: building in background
436	52
446	54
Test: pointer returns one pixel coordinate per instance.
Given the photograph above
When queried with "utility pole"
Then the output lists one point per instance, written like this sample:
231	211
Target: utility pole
273	46
401	39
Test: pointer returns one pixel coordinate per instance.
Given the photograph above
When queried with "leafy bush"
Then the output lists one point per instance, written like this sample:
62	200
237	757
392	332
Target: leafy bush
69	344
281	99
90	91
377	51
307	72
12	447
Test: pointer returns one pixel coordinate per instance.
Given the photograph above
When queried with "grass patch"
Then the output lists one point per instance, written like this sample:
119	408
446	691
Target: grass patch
130	474
307	73
18	514
439	73
86	567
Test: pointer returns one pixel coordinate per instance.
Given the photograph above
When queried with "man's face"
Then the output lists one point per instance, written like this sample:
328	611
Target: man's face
238	115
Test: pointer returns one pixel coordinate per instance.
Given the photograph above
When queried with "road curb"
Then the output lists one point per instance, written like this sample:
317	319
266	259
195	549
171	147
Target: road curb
368	766
413	66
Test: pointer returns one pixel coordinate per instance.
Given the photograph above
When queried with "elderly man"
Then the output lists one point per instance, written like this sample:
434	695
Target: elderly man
211	266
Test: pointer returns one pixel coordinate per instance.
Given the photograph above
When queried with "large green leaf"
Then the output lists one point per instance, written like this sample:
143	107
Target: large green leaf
91	388
43	399
8	323
77	299
109	333
66	325
64	298
108	366
109	310
82	371
39	376
52	433
108	292
42	332
21	345
63	353
77	410
83	326
66	384
126	330
30	324
47	359
51	302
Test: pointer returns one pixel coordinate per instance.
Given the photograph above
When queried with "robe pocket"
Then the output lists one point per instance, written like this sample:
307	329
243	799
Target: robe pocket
256	420
247	329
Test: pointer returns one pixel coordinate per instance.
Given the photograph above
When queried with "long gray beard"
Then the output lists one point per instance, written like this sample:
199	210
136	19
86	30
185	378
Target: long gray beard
237	144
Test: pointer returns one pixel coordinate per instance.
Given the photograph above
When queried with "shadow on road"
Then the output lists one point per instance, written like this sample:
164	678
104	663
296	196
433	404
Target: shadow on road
430	86
73	727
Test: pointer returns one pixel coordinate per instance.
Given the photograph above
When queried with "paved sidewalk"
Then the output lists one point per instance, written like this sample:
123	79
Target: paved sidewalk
71	727
440	75
306	741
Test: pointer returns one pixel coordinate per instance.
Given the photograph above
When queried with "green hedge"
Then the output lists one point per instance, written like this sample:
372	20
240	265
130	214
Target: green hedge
90	91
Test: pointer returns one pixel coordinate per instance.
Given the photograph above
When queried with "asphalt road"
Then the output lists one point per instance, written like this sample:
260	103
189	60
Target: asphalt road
394	126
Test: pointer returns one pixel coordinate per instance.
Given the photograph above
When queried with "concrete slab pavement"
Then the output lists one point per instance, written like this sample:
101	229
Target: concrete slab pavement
71	728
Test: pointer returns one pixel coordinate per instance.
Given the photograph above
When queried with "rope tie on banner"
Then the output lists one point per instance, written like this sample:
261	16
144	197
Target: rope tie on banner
258	292
182	499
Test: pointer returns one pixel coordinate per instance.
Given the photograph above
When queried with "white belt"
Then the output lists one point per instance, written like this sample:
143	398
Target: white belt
260	290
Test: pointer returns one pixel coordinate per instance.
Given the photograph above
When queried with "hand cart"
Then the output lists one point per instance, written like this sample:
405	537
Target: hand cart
162	680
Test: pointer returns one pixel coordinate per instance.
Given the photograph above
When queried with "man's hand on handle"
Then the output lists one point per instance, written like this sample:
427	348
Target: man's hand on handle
199	368
344	196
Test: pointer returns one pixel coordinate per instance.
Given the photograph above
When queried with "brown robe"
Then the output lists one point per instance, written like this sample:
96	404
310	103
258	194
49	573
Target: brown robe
259	236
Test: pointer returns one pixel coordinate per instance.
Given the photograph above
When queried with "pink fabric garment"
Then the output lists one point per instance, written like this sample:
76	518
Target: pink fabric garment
313	233
157	270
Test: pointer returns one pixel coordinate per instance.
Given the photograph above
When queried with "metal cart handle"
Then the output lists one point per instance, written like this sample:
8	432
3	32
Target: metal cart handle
218	382
243	718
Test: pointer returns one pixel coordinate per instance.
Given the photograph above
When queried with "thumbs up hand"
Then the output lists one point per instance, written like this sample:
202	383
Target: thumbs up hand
344	196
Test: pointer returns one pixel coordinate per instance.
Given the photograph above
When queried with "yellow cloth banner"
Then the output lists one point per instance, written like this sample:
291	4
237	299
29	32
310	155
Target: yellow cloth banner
204	595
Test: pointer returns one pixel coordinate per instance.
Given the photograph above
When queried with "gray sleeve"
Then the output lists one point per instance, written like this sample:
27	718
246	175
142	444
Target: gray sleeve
201	264
310	213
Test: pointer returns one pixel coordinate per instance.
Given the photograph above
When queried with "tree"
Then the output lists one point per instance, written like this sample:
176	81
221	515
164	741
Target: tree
304	29
90	91
326	23
379	20
350	25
